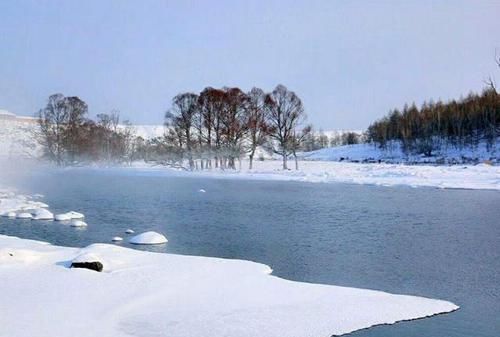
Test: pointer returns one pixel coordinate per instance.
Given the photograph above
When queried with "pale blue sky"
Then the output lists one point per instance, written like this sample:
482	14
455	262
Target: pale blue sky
349	61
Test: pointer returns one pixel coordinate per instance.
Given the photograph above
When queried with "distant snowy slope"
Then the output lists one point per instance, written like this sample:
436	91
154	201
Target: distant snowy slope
148	131
17	136
4	114
360	152
351	152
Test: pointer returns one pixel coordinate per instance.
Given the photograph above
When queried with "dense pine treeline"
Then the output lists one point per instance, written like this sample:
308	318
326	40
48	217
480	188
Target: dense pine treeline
463	123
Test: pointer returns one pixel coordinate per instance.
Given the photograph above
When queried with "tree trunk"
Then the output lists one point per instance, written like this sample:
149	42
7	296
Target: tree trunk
296	162
252	153
284	162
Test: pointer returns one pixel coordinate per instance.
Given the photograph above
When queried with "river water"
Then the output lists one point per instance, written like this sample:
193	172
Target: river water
435	243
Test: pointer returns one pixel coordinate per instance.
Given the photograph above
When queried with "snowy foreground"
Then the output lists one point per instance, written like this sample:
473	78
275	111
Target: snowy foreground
151	294
479	176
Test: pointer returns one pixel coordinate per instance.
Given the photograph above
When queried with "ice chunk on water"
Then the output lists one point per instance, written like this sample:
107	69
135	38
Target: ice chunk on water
69	216
24	215
78	223
62	217
75	215
42	214
9	214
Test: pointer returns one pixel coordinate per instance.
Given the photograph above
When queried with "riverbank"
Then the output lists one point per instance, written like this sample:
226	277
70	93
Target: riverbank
479	176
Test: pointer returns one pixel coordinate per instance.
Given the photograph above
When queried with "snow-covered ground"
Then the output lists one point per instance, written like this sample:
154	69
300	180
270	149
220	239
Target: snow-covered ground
481	176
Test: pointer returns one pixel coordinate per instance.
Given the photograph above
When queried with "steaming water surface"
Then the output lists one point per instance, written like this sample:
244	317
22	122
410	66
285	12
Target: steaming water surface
435	243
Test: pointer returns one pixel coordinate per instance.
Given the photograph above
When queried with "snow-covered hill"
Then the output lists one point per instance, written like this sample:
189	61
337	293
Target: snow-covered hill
18	136
148	131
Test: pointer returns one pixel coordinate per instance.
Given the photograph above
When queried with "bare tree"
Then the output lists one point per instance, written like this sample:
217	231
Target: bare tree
180	117
297	140
233	126
60	123
490	82
258	128
76	113
52	120
285	113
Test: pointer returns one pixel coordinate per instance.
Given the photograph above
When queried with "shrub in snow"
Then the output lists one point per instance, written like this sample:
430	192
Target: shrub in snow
148	238
24	216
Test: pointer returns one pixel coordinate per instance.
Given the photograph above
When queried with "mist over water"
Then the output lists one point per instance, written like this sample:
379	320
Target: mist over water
15	171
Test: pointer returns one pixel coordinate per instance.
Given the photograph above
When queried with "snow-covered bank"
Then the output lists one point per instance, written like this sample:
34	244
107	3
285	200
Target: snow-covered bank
458	176
150	294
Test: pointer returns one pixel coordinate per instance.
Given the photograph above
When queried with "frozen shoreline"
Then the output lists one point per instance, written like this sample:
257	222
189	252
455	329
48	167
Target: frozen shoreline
152	294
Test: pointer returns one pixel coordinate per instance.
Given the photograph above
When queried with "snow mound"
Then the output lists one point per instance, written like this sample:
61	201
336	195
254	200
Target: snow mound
86	257
78	223
116	239
202	190
24	215
42	214
129	231
148	238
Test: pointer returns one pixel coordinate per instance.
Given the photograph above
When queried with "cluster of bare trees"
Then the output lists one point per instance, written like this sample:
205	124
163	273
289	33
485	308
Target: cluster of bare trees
462	123
68	135
217	127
